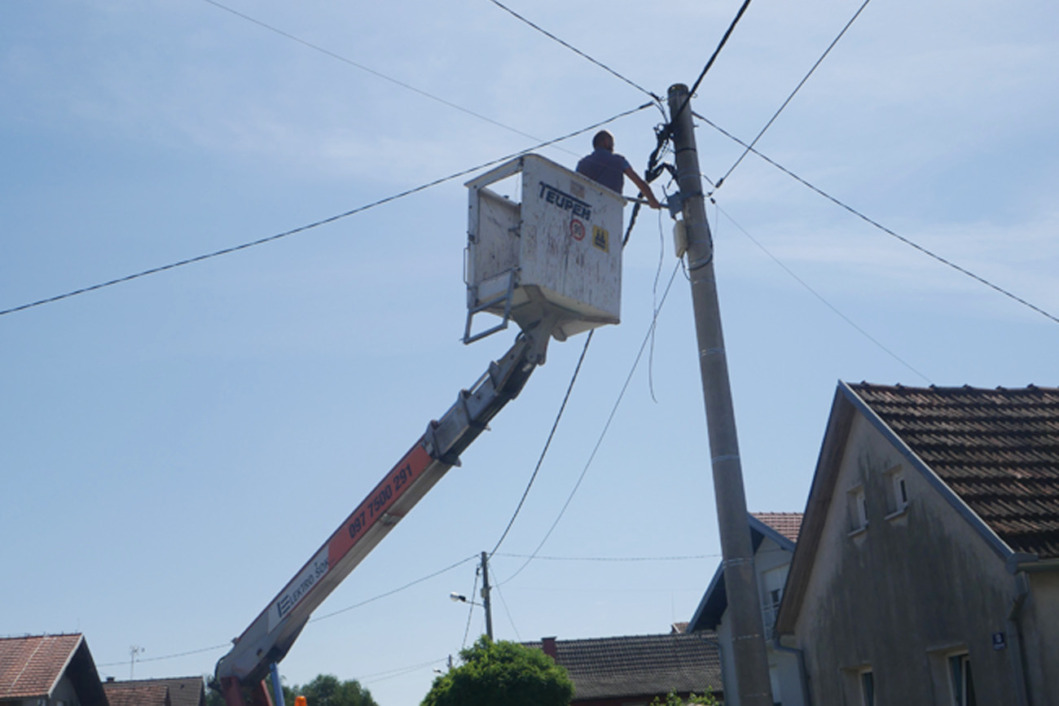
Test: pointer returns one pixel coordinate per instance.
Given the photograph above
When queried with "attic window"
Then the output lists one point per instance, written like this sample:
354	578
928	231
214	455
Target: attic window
858	509
896	492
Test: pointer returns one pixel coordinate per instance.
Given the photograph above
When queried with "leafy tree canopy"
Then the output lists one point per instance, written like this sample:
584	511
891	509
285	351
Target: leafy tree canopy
327	690
673	700
501	673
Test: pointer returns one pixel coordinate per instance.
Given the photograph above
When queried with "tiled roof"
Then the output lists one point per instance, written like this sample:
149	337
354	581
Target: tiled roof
787	524
997	449
31	666
644	665
182	691
136	693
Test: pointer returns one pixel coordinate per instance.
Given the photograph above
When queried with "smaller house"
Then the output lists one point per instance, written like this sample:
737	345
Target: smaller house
773	537
634	670
179	691
48	670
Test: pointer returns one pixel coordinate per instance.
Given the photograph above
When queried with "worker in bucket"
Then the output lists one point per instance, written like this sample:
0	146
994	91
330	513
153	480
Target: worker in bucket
608	169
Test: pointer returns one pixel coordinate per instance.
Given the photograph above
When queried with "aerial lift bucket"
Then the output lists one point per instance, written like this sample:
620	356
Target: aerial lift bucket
552	257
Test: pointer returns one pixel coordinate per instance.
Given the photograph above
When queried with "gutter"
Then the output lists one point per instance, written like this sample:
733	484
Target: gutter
803	679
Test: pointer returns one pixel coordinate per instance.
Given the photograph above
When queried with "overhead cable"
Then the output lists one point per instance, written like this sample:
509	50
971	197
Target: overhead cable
606	428
368	69
408	585
547	443
823	300
575	50
876	224
310	226
793	93
713	58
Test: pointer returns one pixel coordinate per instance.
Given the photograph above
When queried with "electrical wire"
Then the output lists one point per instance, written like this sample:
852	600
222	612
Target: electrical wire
710	61
825	302
547	444
507	611
793	93
309	226
603	433
575	50
368	69
314	620
332	614
879	226
611	559
470	610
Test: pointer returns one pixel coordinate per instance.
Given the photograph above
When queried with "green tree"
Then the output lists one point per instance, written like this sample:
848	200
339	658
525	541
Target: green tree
502	673
327	690
673	700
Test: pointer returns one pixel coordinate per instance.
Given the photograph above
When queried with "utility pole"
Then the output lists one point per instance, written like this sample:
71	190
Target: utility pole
740	579
485	596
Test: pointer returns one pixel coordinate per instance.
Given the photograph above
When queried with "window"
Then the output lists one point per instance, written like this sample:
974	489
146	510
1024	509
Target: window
772	582
858	509
962	682
896	492
867	688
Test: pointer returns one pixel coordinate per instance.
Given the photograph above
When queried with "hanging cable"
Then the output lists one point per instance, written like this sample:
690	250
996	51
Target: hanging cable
368	69
310	226
824	301
793	93
470	609
547	444
603	433
575	50
709	62
879	226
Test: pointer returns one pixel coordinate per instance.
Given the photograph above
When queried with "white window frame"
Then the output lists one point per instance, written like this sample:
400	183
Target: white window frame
962	677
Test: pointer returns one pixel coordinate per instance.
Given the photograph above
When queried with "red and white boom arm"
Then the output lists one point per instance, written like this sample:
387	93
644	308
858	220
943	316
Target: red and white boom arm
267	639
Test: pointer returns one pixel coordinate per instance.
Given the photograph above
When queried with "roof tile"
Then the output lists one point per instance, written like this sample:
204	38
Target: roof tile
997	449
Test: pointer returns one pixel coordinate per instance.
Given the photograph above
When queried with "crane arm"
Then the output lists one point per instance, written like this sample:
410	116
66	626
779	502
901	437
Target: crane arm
269	637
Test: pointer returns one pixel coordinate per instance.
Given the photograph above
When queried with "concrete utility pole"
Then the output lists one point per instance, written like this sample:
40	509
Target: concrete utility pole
485	596
740	579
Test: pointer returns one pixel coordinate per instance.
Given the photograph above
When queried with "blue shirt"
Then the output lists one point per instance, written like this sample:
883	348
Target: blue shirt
605	168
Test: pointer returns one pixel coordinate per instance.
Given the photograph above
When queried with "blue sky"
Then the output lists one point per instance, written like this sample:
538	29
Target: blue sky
176	447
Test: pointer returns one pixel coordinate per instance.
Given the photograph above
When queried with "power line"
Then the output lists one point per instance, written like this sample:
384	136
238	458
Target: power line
310	226
606	428
825	302
408	585
367	69
575	50
879	226
314	620
711	60
611	559
793	93
547	444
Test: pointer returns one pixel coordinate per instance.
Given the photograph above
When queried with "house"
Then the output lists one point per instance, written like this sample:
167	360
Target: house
927	567
634	670
773	537
48	670
180	691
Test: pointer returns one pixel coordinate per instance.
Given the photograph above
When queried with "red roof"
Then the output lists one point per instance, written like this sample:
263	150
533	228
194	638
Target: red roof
787	524
998	450
31	666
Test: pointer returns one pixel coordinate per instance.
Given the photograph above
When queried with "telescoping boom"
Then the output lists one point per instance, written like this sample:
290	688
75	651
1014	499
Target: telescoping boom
272	633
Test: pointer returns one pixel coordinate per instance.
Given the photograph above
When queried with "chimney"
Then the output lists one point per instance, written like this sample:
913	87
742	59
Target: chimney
548	645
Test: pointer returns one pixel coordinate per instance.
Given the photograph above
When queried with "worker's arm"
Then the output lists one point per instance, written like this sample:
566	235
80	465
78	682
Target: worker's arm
643	186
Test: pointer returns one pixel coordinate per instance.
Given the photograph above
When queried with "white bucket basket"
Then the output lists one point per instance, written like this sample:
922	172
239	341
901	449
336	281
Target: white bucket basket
556	254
